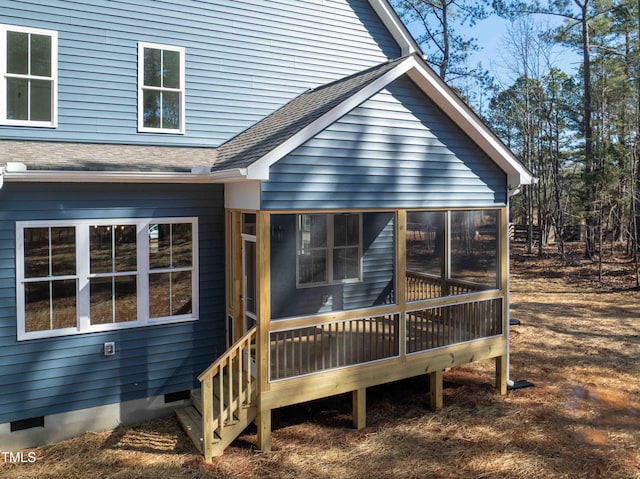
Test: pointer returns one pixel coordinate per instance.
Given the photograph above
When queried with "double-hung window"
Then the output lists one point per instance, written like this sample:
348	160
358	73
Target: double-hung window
329	249
161	89
28	71
82	276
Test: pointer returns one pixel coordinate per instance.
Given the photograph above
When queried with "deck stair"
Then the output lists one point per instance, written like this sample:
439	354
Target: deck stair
226	403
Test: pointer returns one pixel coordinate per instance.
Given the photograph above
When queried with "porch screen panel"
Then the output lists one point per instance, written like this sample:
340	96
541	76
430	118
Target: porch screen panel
474	248
313	349
331	262
426	250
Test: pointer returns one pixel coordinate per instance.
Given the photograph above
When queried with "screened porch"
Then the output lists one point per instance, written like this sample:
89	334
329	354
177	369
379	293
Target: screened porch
329	282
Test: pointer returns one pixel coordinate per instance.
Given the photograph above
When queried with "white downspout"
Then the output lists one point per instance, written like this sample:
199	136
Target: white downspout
2	168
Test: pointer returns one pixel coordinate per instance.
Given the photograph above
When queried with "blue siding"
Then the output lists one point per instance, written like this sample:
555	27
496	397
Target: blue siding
48	376
396	150
376	287
244	59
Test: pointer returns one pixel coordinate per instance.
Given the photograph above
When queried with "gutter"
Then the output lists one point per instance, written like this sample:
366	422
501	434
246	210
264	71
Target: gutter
18	172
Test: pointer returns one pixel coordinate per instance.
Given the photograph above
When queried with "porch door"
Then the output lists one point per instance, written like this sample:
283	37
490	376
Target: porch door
248	282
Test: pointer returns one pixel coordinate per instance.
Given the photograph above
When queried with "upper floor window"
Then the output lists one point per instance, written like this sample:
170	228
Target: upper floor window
160	88
329	249
28	76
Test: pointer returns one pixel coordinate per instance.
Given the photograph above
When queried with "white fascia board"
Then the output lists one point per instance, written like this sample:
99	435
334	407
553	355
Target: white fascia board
466	119
395	26
57	176
259	170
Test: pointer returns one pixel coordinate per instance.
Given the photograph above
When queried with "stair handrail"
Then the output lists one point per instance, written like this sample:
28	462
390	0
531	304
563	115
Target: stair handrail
244	383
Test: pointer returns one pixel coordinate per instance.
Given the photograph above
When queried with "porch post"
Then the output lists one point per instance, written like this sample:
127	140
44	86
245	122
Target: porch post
435	389
263	262
359	401
401	278
502	362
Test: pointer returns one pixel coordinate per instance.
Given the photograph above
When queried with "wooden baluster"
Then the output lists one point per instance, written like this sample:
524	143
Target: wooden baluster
221	398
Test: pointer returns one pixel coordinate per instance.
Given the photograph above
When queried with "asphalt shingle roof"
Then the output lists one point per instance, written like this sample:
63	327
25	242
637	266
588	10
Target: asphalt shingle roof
270	132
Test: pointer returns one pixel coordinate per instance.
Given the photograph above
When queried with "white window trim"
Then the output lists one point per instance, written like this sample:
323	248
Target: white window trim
83	275
329	248
141	88
4	75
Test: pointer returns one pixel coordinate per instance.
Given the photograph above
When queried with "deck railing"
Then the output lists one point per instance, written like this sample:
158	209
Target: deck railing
430	328
312	347
421	286
227	388
305	350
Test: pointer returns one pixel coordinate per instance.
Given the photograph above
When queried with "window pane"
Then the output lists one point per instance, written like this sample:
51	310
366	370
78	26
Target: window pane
36	253
126	299
159	295
313	267
17	99
100	249
249	223
171	72
181	293
474	247
101	306
152	67
64	304
152	112
125	242
41	55
346	230
18	53
182	249
159	246
313	231
40	100
171	110
37	310
426	242
63	251
346	263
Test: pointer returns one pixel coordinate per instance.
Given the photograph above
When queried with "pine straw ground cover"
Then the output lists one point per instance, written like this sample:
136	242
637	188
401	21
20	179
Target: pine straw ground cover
579	342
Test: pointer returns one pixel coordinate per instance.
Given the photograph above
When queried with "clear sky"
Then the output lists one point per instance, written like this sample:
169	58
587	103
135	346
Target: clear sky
492	38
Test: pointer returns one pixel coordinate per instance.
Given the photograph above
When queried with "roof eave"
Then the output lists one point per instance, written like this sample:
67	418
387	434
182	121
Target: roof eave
61	176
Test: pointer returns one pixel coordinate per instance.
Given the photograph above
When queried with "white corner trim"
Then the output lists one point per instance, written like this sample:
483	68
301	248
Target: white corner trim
259	170
395	26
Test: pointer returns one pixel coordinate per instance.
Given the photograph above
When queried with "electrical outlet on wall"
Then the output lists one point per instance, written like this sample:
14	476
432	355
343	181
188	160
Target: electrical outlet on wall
109	349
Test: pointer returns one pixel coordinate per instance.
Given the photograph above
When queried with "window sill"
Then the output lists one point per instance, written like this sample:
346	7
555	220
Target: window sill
29	124
102	328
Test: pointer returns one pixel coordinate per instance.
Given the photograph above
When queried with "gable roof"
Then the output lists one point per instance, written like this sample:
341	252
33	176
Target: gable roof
271	132
253	151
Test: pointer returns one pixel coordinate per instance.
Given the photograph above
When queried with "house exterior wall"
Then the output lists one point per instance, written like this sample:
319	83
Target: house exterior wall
396	150
244	59
55	375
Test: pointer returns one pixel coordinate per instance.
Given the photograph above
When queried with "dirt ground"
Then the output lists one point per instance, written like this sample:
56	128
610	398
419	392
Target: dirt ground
578	341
